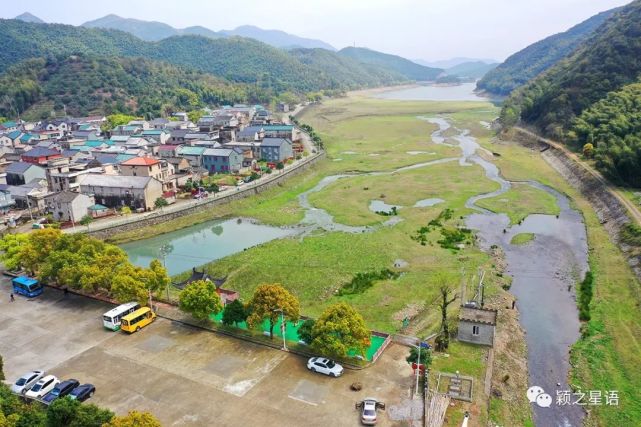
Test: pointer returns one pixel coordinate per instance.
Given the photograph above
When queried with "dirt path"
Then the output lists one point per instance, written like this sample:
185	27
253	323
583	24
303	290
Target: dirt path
632	209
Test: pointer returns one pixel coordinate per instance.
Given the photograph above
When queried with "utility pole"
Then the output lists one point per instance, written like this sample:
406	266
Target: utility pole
164	249
282	326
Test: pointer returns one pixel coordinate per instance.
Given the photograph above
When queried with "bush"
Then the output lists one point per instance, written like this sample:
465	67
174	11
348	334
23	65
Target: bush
585	296
363	281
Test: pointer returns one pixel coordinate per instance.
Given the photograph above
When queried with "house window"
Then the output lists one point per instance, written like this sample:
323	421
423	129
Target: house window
475	330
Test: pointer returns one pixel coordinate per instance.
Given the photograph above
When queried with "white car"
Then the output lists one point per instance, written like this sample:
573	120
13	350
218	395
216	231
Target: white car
325	366
26	381
42	387
368	409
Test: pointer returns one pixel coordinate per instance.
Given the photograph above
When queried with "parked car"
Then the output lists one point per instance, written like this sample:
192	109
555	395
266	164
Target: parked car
42	387
82	392
368	409
325	366
26	381
61	390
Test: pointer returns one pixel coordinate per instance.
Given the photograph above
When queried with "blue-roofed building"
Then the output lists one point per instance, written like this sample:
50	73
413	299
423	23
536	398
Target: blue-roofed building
159	135
193	154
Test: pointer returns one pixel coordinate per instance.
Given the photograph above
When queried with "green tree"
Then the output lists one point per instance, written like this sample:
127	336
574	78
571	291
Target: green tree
195	115
117	120
426	356
11	246
339	329
90	415
266	303
134	419
39	245
62	412
128	285
1	367
234	313
86	220
161	202
280	166
199	298
588	150
125	210
305	331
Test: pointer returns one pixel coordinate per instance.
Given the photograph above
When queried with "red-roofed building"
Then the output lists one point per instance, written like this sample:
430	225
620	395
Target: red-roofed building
40	155
142	166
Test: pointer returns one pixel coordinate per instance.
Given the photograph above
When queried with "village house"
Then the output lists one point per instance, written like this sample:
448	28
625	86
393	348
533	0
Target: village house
137	192
29	196
159	123
279	131
161	136
223	160
477	325
68	206
167	151
193	154
62	175
126	130
85	134
251	134
19	173
177	136
276	150
40	155
8	126
6	201
142	166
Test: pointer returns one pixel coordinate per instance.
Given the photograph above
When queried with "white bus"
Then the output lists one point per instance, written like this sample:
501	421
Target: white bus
111	319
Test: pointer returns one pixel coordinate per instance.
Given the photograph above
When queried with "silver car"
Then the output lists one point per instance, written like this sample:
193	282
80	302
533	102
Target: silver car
26	381
368	409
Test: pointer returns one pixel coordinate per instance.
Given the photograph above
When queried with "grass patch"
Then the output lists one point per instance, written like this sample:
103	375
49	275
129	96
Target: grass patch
520	201
522	238
363	281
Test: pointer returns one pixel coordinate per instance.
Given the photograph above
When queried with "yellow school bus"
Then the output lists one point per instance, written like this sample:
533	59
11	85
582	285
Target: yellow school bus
137	320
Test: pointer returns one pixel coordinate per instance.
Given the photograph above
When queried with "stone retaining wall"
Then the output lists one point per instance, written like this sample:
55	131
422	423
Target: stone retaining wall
276	179
610	211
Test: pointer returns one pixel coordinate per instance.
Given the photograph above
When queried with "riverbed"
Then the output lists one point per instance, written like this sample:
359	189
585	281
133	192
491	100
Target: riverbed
433	92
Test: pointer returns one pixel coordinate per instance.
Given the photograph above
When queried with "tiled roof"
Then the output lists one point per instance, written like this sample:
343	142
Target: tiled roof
140	161
116	181
40	152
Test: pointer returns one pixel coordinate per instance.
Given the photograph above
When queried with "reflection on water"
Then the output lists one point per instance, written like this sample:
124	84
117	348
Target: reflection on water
381	206
462	92
202	243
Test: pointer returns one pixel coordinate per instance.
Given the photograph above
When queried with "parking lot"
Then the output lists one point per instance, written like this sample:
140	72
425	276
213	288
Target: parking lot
183	375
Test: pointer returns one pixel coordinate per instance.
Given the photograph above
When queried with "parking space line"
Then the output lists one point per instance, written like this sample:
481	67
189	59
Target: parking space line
302	400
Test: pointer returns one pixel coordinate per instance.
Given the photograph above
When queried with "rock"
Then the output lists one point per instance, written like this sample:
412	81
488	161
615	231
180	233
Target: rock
497	393
356	386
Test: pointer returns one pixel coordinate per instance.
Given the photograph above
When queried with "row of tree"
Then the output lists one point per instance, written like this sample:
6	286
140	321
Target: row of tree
78	261
338	331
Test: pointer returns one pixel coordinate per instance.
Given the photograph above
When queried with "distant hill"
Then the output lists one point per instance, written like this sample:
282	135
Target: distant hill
526	64
155	31
27	17
277	38
392	63
146	30
83	85
452	62
471	70
590	96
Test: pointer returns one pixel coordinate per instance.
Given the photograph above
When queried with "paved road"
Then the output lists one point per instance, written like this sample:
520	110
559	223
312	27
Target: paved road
633	209
185	376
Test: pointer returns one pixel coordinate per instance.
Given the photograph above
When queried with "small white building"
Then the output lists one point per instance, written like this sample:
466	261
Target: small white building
68	206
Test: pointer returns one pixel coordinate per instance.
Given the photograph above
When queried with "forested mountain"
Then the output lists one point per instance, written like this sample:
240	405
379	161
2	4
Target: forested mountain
472	70
452	62
391	63
147	30
27	17
84	85
526	64
236	59
573	101
277	38
345	70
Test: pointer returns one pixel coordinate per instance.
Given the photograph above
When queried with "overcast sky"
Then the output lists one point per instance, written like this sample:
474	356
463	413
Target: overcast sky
423	29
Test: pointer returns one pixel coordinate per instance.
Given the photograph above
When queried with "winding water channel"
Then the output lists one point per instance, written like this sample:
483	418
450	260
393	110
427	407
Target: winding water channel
544	271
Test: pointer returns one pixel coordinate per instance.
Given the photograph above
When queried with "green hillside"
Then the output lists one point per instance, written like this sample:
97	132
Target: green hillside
391	63
526	64
344	70
137	86
471	70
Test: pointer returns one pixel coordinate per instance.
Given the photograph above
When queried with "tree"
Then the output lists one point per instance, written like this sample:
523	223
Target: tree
125	210
158	277
443	339
588	150
11	246
1	367
268	302
340	329
195	115
234	313
305	331
200	299
134	419
117	120
426	356
86	220
62	412
39	245
128	285
161	202
280	166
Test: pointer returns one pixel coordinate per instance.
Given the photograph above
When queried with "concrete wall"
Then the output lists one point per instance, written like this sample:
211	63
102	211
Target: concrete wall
465	333
158	217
